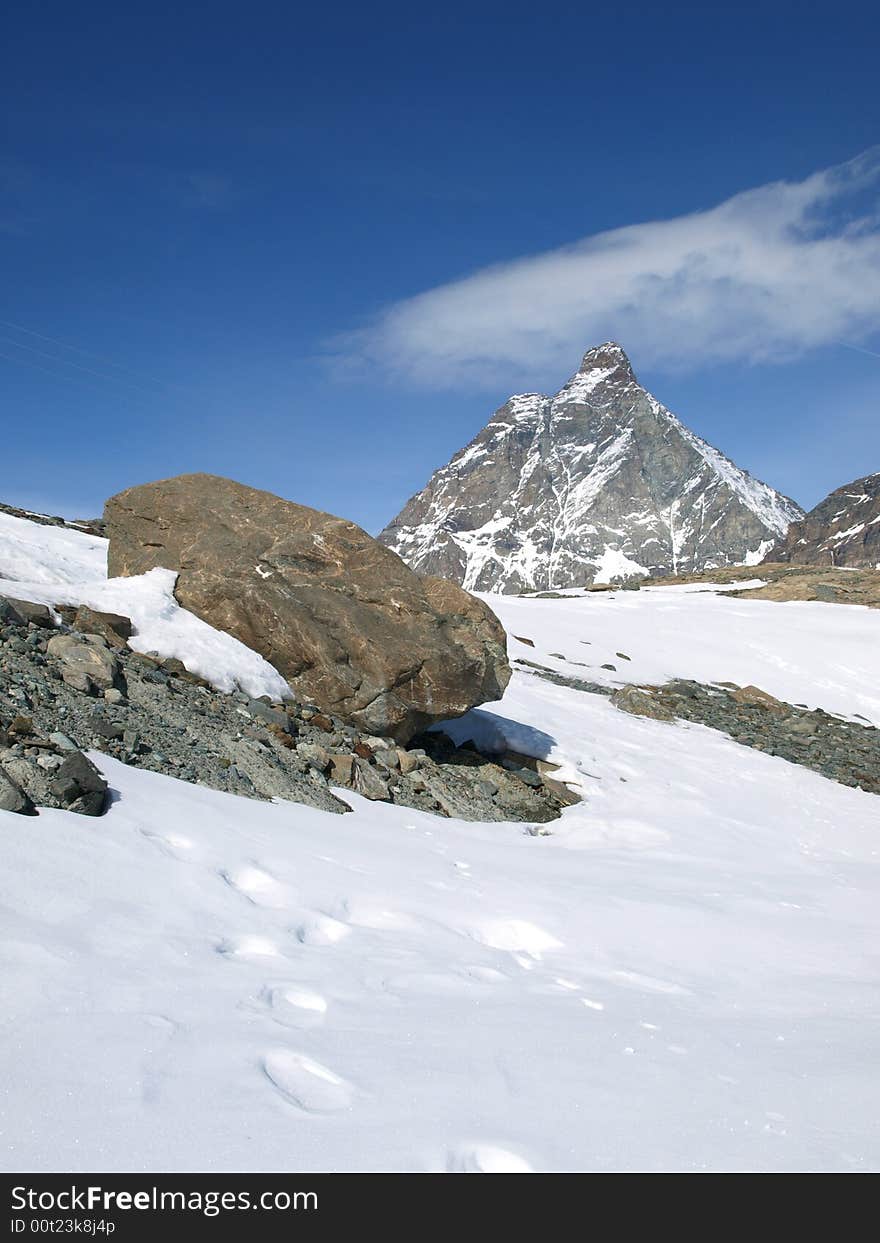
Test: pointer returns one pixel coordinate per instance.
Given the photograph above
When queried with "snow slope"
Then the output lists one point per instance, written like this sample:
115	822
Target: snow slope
54	565
681	975
822	655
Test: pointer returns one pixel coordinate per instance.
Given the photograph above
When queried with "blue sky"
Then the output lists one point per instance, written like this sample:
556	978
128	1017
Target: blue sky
266	230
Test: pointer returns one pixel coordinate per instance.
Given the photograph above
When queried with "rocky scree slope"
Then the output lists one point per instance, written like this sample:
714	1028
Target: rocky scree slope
842	750
791	582
842	530
599	482
342	618
76	686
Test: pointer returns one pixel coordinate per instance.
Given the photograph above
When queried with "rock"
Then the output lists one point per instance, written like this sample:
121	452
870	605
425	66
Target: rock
640	702
113	627
368	782
62	742
561	792
265	712
754	696
79	786
341	769
12	798
349	626
315	755
407	761
20	612
113	696
86	663
104	728
521	639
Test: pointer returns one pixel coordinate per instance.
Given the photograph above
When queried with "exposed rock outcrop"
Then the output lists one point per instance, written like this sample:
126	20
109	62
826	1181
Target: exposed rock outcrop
600	482
842	530
172	722
341	617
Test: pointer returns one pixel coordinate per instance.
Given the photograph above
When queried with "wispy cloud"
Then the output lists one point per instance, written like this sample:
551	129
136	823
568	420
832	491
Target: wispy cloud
766	275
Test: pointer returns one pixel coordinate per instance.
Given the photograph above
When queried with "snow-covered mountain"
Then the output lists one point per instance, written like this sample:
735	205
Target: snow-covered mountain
597	483
843	529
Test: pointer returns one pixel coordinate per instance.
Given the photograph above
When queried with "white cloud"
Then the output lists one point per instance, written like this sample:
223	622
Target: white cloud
767	274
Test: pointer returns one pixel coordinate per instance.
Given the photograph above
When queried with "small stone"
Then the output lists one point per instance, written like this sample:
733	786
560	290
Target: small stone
62	742
115	628
314	754
86	663
407	761
341	769
639	701
12	798
753	696
113	696
368	782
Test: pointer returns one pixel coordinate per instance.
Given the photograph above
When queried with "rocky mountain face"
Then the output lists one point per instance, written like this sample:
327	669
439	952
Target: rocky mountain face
600	482
844	529
346	623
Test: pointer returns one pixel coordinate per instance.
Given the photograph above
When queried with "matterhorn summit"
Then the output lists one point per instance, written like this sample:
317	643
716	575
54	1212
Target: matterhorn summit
598	483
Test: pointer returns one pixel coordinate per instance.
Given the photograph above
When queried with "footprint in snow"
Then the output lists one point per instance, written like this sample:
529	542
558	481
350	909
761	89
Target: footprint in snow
247	948
518	936
320	929
482	1158
295	1006
256	885
307	1083
366	914
175	845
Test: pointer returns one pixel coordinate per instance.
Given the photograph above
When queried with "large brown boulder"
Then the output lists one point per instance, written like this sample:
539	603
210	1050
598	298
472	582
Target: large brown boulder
350	627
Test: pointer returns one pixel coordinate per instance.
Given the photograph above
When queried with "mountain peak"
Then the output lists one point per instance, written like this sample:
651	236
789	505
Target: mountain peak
609	357
599	482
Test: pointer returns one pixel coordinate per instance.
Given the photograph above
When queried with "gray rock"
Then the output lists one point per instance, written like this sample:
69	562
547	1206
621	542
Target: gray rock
12	797
62	741
79	786
86	662
366	781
